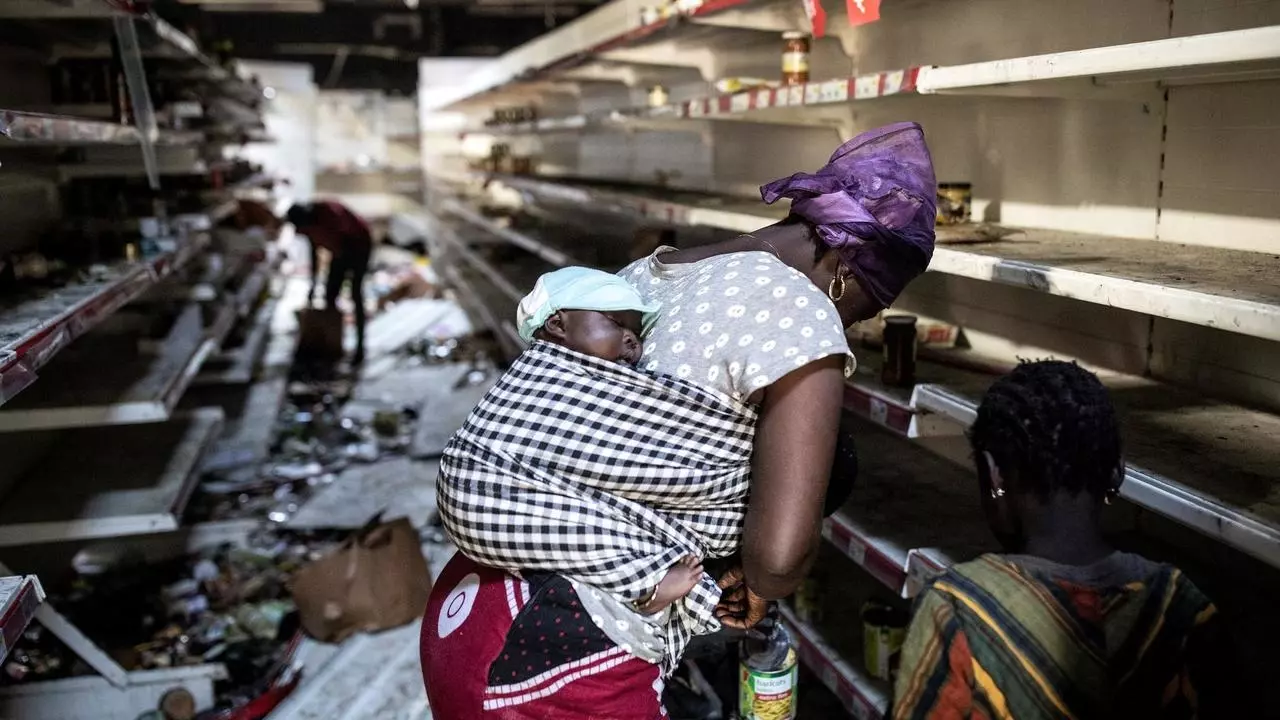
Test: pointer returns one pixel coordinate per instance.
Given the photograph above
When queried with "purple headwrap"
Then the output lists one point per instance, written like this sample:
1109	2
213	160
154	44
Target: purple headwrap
875	203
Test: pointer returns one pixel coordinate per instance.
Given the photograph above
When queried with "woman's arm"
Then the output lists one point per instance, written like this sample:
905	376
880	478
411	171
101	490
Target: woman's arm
794	446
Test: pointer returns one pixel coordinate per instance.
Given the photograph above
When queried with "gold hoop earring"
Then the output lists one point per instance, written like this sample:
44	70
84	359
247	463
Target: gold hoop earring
832	293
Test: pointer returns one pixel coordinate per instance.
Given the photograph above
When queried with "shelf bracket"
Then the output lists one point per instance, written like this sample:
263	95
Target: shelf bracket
93	656
135	77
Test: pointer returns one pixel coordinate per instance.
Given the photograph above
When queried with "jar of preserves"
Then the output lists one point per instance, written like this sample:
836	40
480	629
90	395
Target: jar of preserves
795	58
955	202
899	351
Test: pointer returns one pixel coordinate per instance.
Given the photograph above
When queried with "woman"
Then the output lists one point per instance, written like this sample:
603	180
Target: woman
759	318
1064	626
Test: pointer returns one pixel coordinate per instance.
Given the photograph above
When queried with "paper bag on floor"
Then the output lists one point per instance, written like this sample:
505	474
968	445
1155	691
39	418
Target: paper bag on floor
377	579
319	334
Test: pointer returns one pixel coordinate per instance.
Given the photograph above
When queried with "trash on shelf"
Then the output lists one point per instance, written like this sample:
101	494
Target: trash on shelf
731	85
968	233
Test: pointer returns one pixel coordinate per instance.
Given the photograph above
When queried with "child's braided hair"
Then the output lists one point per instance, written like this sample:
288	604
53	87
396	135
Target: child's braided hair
1053	425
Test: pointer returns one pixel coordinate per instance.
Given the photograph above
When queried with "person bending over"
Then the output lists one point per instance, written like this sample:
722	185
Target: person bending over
339	231
1062	625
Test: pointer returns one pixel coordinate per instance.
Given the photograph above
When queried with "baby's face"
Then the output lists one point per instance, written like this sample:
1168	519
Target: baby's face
613	336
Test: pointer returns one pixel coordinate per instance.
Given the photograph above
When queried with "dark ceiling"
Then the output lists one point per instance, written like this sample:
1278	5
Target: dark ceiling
369	44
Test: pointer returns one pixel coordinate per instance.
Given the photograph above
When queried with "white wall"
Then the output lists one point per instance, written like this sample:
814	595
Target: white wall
291	122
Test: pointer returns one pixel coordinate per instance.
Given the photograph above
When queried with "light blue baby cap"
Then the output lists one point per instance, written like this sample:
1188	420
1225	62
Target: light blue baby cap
578	288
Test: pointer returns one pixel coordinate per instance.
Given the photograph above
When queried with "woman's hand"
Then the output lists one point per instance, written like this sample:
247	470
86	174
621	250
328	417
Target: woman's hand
739	607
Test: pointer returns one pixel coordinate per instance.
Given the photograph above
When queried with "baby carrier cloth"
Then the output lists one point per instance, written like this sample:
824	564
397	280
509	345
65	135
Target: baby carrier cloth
603	474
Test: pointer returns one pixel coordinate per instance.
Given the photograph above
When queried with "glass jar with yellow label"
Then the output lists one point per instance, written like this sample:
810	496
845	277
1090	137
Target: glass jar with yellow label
795	58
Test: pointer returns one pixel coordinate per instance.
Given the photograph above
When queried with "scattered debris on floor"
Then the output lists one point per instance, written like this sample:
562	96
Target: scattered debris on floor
343	448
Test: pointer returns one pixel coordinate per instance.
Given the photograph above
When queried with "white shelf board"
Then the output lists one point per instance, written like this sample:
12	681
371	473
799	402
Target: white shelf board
1209	465
905	499
505	330
1231	290
612	26
237	366
20	596
31	128
33	331
864	697
519	239
63	10
795	105
80	389
490	273
109	481
94	698
1209	57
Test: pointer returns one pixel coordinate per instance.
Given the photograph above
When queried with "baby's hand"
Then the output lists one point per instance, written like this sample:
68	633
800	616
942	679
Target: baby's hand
677	583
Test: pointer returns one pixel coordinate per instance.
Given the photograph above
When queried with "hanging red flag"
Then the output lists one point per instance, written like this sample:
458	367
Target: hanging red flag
862	12
817	16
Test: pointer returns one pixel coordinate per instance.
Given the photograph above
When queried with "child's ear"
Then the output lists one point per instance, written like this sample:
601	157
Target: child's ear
554	326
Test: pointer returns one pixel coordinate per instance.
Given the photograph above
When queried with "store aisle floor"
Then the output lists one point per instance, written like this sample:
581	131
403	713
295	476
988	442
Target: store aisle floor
378	676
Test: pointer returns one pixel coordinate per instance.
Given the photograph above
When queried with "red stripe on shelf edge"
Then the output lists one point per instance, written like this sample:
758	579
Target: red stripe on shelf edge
890	415
835	679
845	539
708	7
909	79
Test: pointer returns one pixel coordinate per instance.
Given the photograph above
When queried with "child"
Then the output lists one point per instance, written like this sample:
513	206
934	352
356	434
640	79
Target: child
599	314
1062	625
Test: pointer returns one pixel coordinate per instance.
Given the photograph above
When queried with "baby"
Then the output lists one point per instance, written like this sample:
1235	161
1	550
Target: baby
599	314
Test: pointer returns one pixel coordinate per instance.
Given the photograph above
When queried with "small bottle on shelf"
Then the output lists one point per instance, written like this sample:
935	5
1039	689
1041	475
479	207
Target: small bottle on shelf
795	58
899	351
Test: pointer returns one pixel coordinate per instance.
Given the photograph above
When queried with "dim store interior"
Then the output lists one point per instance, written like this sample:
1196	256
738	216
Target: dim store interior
186	454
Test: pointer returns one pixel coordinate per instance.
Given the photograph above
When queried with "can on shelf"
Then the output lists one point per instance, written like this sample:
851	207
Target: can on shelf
808	600
884	629
955	203
795	58
899	344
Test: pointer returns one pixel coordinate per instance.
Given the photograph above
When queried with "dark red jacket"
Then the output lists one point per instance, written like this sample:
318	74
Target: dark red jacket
338	230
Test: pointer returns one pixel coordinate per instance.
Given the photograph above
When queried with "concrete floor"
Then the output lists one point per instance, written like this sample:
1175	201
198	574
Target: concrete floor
378	676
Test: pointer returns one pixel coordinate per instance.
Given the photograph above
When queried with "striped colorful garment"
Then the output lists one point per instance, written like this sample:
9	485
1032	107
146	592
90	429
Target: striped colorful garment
1021	637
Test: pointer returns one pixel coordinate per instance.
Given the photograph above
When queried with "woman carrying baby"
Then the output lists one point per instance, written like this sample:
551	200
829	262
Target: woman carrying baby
757	324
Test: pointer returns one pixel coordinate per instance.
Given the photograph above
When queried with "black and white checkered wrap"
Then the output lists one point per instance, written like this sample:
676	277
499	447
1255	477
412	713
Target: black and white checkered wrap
603	474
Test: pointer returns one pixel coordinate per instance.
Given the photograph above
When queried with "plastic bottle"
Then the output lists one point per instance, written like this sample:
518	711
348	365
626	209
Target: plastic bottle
768	674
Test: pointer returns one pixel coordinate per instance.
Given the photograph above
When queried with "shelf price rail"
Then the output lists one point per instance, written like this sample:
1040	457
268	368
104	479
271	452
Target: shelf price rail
1126	70
1232	290
1196	506
35	331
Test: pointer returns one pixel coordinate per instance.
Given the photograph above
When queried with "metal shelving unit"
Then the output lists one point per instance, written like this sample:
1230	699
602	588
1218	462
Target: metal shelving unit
34	331
1228	289
20	596
91	373
111	481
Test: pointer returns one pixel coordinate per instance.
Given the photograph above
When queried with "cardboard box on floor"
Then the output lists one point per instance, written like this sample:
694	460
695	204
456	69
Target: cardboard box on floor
377	579
320	334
